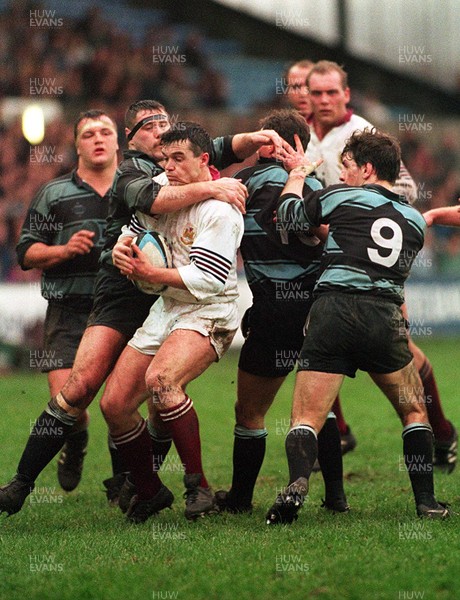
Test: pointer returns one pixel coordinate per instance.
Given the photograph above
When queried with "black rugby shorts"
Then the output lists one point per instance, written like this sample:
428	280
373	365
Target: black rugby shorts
347	332
274	335
118	303
63	329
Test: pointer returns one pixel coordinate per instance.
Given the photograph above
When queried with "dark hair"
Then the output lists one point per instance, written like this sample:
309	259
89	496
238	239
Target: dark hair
135	107
323	67
379	149
286	122
199	138
90	114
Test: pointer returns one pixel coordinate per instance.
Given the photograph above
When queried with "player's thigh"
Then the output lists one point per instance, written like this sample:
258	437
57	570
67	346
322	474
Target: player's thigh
314	395
419	355
97	353
255	396
404	390
125	389
182	357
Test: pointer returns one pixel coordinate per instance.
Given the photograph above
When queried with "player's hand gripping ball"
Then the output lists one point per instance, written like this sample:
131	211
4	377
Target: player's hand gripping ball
157	251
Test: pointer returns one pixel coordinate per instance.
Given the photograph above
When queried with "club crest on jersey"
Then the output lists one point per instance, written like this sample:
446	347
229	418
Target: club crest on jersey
188	235
78	209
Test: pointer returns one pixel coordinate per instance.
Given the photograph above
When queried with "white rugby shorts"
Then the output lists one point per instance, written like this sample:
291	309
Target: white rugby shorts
218	321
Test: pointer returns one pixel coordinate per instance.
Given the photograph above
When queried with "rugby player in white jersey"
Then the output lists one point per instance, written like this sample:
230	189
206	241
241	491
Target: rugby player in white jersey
189	327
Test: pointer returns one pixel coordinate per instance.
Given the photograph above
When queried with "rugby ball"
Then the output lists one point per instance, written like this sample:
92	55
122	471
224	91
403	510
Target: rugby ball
157	251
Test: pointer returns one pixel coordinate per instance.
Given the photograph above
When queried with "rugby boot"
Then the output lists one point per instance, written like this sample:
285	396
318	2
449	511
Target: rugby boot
113	487
225	503
128	490
14	494
429	508
288	503
347	441
139	512
199	501
70	463
336	504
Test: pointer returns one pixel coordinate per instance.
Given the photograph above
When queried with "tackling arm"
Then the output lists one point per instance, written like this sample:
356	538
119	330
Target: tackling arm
292	206
446	215
246	144
172	198
136	189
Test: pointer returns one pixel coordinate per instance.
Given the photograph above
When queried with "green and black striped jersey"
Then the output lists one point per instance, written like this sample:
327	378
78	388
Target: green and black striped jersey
61	208
374	237
274	256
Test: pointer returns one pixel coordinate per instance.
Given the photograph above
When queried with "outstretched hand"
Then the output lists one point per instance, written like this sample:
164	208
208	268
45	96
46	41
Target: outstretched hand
297	159
269	137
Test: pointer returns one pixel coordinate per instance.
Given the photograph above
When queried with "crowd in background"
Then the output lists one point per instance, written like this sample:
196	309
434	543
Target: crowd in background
91	63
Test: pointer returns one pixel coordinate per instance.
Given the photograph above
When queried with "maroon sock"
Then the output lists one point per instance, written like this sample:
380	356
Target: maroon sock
182	421
442	428
337	410
135	449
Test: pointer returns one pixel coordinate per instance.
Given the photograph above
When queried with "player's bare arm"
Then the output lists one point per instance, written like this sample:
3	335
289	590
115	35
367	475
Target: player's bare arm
446	215
246	144
172	198
42	256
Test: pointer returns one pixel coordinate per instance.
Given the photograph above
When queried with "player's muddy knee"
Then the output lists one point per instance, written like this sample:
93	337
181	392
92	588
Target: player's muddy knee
79	392
164	391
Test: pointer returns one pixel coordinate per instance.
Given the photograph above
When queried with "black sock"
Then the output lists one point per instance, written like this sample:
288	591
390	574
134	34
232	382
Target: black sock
115	457
160	450
77	440
248	456
418	457
330	458
46	439
161	445
301	451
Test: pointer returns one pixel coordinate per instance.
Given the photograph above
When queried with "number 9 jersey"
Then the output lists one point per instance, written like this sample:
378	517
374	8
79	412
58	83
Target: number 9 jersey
374	237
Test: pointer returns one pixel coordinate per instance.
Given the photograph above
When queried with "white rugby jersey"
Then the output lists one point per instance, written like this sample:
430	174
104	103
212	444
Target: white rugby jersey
203	239
330	149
